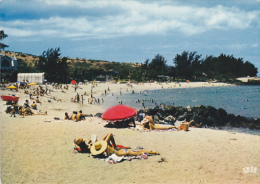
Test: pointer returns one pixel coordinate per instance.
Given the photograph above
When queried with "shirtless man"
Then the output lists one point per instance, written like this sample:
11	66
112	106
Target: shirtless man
74	116
80	116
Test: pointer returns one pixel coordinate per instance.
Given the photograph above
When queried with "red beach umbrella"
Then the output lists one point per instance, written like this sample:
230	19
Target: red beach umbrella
118	112
73	82
10	98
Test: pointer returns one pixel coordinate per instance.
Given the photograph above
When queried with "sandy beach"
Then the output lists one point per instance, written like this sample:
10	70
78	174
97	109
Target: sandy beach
36	151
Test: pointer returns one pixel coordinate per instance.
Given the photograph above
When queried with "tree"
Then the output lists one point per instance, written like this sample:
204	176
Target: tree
187	65
157	67
55	68
226	66
3	36
144	70
158	63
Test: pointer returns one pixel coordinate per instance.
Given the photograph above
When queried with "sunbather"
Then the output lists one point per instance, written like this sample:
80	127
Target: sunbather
148	122
80	116
34	106
74	116
84	145
37	100
27	111
105	146
67	116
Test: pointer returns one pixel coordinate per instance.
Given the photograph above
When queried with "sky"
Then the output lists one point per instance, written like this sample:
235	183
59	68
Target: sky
133	31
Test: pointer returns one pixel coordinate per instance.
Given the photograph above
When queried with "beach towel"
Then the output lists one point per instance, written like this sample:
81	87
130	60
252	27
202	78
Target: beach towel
113	159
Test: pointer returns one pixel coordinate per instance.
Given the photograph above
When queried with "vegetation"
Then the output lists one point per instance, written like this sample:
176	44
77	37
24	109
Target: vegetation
187	66
3	36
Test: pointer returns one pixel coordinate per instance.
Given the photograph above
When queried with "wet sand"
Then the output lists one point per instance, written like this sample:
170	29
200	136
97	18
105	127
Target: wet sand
35	151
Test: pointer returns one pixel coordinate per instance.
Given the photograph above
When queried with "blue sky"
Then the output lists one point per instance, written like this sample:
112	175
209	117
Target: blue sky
133	31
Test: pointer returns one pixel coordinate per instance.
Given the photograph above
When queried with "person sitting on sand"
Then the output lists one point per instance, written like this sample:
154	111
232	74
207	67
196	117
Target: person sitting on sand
34	106
80	116
37	100
104	146
12	113
26	104
20	110
67	116
148	122
74	116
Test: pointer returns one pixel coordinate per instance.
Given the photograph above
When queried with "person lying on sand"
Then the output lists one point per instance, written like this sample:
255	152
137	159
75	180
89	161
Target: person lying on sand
83	144
27	111
41	113
104	146
145	124
148	123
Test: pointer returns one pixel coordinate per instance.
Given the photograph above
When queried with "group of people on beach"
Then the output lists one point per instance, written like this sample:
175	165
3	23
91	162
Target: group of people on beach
24	110
92	100
76	116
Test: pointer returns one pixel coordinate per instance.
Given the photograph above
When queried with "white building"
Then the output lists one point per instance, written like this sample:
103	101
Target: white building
31	77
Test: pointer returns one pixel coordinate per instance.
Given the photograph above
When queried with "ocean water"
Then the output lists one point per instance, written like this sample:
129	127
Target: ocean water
238	100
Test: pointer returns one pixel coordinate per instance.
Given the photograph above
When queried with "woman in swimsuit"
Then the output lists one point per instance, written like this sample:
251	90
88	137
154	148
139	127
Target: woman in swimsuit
105	146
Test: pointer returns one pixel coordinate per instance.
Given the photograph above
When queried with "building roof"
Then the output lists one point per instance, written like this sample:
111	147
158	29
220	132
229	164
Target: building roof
162	76
101	77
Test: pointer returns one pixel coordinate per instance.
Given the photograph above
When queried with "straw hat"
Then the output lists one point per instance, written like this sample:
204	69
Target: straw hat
98	147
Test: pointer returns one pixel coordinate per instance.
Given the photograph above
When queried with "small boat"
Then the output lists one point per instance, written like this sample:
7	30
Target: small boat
10	98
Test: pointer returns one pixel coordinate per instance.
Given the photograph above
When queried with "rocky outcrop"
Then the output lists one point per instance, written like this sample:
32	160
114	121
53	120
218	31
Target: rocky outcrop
203	116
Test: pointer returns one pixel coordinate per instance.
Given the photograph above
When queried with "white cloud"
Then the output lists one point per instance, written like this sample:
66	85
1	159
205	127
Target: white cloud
255	44
138	18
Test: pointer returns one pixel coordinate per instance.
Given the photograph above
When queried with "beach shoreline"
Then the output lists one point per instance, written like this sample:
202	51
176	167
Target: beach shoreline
36	151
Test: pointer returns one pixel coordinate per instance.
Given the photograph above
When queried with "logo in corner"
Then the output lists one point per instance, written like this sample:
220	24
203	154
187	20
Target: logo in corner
250	169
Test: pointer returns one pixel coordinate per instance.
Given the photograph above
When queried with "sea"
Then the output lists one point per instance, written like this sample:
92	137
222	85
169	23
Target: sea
237	100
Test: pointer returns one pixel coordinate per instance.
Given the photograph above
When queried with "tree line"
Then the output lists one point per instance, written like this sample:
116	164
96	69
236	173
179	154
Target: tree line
186	66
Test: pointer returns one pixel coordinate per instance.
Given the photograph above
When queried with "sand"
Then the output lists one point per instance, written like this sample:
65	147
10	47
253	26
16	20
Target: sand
35	151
